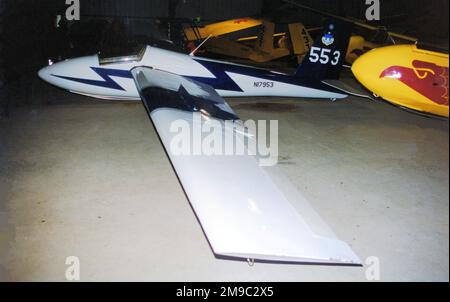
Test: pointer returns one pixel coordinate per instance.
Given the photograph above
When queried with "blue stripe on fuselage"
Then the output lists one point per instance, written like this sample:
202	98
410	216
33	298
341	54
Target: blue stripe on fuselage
224	82
221	80
105	74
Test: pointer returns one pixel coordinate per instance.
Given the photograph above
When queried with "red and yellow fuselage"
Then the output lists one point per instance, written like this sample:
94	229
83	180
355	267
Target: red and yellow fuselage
406	76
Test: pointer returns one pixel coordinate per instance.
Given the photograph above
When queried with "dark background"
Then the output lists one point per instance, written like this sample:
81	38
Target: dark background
28	36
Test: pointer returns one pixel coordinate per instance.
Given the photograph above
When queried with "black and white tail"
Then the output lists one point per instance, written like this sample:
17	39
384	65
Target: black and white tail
326	56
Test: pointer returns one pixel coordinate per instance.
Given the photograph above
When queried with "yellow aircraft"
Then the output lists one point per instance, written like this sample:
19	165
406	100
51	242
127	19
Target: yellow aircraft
407	76
266	48
260	48
356	46
297	42
195	33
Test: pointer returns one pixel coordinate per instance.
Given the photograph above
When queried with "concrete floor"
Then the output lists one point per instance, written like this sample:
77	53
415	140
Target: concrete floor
83	178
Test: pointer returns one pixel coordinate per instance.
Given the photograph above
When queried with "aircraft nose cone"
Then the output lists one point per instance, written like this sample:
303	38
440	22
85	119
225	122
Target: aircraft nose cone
51	72
366	69
358	67
48	72
59	74
45	73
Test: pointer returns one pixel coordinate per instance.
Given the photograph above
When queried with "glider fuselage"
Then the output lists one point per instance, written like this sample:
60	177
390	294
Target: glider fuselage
407	76
113	80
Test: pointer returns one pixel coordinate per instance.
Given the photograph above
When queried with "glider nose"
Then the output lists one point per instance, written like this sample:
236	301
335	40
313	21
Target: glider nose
48	73
59	74
45	73
359	69
366	70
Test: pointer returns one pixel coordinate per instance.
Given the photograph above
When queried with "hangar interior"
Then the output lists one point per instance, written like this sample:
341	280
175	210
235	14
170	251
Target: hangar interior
89	178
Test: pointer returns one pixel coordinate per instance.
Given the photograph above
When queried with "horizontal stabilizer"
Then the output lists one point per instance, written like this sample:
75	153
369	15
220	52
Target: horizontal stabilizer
347	89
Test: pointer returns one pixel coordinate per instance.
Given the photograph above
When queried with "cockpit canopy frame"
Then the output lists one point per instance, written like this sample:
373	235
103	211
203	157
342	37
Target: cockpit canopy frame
136	55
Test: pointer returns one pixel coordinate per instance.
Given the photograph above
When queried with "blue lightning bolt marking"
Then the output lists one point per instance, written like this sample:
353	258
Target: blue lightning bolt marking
221	81
106	75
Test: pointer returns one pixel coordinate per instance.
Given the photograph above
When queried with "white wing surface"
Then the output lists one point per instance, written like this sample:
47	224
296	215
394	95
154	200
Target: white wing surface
244	211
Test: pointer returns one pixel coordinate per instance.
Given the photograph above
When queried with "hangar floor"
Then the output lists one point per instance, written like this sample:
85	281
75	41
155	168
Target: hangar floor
83	178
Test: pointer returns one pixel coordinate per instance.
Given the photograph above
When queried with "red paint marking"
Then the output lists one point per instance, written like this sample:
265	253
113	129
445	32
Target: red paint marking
426	78
240	21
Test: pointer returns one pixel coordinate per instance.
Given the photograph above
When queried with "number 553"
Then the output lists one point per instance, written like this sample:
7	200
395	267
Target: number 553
324	56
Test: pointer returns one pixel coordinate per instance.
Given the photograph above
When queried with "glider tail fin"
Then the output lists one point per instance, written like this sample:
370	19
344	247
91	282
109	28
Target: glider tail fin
326	56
